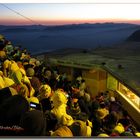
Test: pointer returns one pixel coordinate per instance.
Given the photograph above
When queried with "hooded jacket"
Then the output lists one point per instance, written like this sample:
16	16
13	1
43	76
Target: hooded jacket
34	123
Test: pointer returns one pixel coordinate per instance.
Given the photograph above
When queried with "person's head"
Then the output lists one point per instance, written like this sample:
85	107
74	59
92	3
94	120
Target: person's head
79	128
32	61
102	104
95	105
87	97
102	113
79	79
82	116
44	91
24	90
34	124
76	129
112	99
75	108
59	98
30	72
47	74
125	122
51	121
125	113
113	117
4	94
2	55
12	109
38	63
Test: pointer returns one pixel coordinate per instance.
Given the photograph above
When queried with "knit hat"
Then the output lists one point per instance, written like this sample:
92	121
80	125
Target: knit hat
119	128
30	72
45	90
102	113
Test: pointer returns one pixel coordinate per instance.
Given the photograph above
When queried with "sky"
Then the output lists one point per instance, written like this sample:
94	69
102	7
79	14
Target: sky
68	13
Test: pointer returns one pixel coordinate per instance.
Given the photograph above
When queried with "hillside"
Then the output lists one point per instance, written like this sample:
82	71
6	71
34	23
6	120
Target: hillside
135	36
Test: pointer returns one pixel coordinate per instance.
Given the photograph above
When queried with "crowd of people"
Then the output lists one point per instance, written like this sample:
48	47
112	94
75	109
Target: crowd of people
37	100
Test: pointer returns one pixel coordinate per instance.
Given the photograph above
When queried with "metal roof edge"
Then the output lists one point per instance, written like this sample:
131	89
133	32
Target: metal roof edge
121	80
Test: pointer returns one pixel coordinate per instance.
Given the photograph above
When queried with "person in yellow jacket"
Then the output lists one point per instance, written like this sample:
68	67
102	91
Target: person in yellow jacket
2	83
119	128
18	75
60	103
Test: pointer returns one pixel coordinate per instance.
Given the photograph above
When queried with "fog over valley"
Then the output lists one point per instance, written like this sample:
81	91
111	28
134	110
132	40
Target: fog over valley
38	38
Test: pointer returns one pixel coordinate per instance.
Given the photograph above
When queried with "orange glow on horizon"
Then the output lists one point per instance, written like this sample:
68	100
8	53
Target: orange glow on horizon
63	22
80	21
15	22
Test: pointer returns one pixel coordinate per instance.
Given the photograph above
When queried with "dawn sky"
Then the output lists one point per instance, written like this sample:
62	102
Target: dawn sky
56	14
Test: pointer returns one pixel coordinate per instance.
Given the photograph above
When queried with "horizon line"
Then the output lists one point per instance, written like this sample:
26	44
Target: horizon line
69	24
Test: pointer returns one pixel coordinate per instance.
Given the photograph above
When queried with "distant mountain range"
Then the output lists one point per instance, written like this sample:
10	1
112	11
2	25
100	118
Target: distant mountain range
87	25
66	27
40	38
